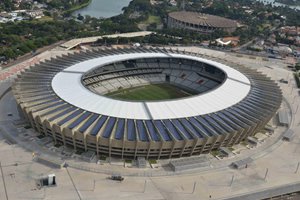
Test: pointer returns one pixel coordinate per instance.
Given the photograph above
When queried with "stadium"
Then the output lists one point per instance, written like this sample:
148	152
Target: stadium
145	102
200	22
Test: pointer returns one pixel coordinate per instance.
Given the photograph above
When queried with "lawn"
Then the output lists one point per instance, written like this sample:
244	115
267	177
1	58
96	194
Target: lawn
150	93
153	19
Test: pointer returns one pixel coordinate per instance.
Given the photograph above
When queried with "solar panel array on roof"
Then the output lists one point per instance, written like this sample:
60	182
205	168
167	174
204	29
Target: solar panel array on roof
88	123
230	122
223	124
79	120
142	130
120	129
47	107
153	133
46	102
182	129
55	110
70	117
189	126
98	125
172	130
162	130
130	130
109	127
40	99
208	126
219	129
62	113
200	127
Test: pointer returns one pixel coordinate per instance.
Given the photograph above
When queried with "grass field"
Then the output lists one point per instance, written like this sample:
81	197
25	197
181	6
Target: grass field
153	19
150	93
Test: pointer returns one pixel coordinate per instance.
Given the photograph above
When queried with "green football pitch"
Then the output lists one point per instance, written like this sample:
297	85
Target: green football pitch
153	92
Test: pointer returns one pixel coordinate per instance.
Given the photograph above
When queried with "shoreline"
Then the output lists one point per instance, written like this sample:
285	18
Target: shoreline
102	9
78	7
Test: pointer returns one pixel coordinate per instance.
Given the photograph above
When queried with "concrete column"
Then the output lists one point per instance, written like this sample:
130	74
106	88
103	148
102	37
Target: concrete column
84	142
196	142
182	151
74	140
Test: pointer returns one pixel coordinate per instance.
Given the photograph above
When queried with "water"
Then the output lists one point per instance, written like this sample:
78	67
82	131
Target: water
103	8
278	4
109	8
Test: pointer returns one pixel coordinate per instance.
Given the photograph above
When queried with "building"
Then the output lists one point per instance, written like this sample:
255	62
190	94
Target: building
64	98
199	22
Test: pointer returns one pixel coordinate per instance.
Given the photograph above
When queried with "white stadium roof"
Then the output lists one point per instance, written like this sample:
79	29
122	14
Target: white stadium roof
68	86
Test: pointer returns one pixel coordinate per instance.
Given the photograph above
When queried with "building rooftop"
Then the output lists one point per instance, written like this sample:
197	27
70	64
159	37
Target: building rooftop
72	43
233	90
203	19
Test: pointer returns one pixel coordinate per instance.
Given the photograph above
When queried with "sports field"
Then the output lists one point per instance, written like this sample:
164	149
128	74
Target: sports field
150	93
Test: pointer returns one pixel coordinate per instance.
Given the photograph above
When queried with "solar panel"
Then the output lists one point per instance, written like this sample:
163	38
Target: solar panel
109	127
172	130
130	130
239	121
88	123
210	128
162	130
98	125
219	129
69	117
253	104
79	120
142	130
62	113
50	106
40	99
188	125
120	129
243	116
151	129
182	129
200	127
55	110
46	102
226	122
250	109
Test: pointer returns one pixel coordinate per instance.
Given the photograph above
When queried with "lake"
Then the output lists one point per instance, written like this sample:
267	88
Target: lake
110	8
103	8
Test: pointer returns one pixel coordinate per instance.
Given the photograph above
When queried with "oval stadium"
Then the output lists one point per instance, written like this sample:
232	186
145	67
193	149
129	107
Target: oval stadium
145	102
200	22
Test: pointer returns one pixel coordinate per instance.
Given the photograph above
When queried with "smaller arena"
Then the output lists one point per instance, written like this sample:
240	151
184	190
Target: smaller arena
200	22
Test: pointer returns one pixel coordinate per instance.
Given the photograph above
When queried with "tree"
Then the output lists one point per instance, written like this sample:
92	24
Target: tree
80	17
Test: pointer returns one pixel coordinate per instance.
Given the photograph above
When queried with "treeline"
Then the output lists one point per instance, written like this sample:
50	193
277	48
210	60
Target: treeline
63	4
6	5
20	38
